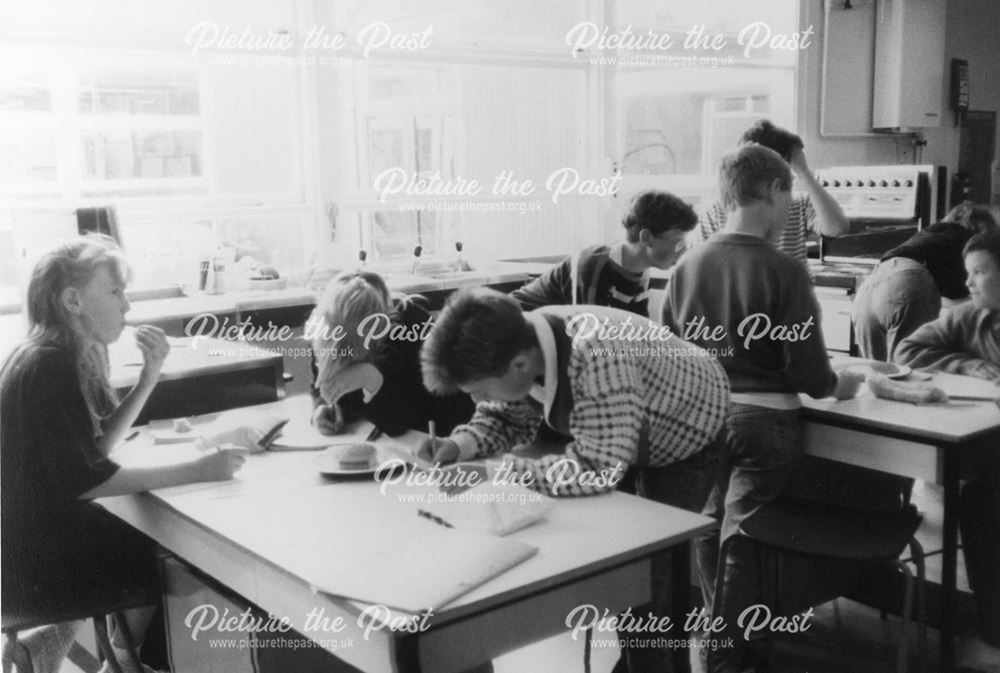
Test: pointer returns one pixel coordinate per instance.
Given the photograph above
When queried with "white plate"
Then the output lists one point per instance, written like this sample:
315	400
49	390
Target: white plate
162	431
328	463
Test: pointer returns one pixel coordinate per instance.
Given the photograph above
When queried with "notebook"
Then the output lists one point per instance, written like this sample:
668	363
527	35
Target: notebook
968	388
423	569
494	509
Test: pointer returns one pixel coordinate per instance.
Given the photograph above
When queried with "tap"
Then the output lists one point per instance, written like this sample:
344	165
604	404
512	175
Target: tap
460	263
362	258
416	260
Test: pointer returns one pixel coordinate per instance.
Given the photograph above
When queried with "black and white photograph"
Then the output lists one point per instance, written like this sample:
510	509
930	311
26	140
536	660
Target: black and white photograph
500	336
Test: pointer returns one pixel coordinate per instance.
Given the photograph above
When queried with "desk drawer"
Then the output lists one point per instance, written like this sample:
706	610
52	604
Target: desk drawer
191	598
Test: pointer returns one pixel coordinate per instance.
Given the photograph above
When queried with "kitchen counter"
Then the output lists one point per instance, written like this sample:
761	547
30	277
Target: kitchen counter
182	306
838	274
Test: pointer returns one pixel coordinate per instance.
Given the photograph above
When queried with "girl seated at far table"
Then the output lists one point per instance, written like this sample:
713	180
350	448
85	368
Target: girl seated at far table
966	340
366	360
59	420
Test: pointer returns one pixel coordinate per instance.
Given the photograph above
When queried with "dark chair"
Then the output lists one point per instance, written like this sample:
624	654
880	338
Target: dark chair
17	656
820	531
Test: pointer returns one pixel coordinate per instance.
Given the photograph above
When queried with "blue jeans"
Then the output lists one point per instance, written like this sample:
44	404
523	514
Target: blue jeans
898	297
763	447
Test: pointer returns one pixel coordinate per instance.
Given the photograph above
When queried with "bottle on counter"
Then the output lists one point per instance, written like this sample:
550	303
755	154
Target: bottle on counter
218	271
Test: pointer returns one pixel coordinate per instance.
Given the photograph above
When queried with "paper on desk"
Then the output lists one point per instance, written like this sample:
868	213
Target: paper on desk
495	509
242	427
424	567
967	388
301	435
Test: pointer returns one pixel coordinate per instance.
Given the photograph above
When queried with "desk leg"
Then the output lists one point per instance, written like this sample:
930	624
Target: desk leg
949	566
680	591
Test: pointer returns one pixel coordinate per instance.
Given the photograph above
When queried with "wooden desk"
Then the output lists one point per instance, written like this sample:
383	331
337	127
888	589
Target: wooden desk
260	534
933	443
201	376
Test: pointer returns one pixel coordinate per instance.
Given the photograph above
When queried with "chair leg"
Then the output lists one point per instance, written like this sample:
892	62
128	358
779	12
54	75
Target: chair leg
917	555
132	652
905	622
104	643
16	655
82	659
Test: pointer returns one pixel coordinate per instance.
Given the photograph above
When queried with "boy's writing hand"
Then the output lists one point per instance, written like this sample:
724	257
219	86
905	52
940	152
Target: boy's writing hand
438	450
328	419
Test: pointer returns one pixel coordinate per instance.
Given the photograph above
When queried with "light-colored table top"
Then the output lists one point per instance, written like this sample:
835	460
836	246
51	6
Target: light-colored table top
279	517
957	422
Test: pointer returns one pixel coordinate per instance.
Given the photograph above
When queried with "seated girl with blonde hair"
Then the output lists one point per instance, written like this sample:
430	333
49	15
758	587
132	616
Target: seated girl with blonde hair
59	420
366	360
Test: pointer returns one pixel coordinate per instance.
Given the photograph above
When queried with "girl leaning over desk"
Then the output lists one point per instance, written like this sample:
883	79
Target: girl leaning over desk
376	378
59	420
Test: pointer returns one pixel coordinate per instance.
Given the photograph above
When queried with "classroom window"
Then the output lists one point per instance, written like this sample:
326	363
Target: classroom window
677	122
157	135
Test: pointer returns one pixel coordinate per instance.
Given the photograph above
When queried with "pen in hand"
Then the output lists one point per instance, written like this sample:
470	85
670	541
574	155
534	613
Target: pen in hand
437	451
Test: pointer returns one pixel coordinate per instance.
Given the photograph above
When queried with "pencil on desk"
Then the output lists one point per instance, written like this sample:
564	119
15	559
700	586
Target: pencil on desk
436	519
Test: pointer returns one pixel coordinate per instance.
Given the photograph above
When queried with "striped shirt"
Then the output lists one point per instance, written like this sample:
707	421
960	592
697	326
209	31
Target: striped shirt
801	221
645	402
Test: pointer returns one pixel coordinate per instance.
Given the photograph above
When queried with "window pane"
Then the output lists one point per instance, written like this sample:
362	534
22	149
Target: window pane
396	234
528	121
472	123
147	155
167	251
27	154
544	24
24	81
144	92
741	24
686	131
23	97
521	120
663	134
256	131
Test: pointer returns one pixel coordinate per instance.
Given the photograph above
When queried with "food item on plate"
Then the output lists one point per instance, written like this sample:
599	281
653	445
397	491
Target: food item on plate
356	456
266	273
914	392
182	425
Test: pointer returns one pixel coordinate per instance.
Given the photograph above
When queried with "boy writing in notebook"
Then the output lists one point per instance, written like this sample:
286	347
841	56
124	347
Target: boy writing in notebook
966	340
625	390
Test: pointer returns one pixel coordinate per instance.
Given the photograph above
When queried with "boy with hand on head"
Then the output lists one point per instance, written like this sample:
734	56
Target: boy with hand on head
656	229
966	340
738	293
812	210
628	393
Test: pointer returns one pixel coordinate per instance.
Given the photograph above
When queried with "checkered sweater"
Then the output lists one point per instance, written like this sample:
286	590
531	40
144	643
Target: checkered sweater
801	220
621	407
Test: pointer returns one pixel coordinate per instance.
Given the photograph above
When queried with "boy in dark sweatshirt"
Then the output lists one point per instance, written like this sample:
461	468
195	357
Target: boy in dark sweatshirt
754	306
